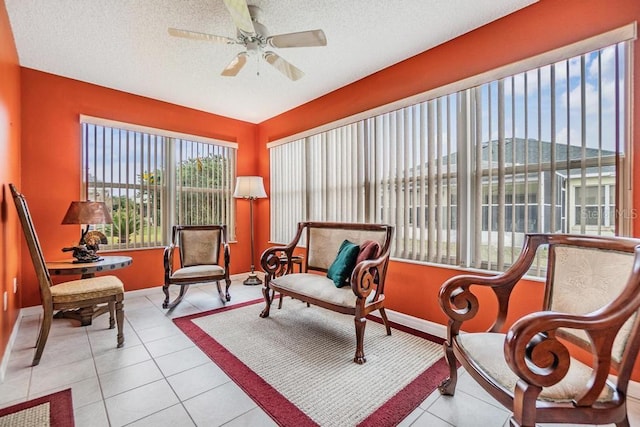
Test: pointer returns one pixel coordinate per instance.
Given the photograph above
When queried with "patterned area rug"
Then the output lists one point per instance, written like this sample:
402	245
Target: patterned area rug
298	366
53	410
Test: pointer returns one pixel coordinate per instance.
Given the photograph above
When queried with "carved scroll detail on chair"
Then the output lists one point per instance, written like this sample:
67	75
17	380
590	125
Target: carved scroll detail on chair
538	379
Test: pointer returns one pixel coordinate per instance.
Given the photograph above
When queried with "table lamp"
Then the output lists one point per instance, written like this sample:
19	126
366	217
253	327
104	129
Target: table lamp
87	212
250	187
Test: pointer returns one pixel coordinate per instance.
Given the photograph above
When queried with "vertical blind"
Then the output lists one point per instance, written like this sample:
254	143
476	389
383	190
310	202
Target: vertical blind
464	176
151	181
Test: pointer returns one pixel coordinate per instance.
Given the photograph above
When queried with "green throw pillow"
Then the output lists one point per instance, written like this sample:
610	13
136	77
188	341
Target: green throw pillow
343	265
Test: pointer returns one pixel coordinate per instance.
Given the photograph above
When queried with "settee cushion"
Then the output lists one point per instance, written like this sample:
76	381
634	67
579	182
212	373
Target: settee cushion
341	268
85	289
198	271
318	287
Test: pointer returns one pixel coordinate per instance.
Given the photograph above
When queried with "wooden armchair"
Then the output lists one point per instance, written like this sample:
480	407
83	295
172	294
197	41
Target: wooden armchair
363	289
591	305
83	293
199	249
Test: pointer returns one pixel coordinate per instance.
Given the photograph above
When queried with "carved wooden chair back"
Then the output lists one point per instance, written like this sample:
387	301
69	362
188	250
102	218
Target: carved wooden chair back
323	241
35	251
199	245
583	279
204	256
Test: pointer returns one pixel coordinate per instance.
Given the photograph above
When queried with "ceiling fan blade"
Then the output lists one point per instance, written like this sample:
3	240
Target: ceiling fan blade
240	15
283	66
301	39
235	65
200	36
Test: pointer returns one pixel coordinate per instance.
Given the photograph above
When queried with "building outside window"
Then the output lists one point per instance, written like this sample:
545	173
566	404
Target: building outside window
464	175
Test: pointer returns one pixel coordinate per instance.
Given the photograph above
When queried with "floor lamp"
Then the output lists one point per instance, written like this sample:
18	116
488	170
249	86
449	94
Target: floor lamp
250	187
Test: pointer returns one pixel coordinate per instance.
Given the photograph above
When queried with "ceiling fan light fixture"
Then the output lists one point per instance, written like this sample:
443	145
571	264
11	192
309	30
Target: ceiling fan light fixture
254	37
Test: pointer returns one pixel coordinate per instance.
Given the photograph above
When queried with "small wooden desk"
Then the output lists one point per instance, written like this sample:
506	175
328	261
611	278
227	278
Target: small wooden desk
86	270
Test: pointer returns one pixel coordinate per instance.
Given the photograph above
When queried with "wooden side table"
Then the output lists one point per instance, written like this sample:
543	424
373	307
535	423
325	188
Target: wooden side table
295	260
86	270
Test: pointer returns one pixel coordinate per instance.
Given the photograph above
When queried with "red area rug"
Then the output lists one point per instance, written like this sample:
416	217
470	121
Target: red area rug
269	393
60	410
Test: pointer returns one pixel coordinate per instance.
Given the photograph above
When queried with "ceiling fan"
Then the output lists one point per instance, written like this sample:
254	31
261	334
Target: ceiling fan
255	38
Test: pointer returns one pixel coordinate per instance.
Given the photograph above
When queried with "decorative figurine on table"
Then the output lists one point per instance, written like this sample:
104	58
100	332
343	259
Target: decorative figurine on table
82	254
87	252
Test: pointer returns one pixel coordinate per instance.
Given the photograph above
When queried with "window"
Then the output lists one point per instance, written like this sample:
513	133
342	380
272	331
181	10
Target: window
153	179
463	176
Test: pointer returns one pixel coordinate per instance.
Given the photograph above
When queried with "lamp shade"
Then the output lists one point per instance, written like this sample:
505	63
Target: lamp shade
87	213
250	187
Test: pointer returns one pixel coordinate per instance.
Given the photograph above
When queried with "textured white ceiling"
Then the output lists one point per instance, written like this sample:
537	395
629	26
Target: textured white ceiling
124	45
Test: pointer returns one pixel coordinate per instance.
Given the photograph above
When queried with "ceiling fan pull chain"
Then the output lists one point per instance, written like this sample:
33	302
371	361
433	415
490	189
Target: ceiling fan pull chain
258	67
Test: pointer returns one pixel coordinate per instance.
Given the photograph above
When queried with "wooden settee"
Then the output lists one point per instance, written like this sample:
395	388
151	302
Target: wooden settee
364	292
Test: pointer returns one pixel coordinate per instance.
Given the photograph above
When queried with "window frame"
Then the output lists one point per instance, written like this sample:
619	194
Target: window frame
167	190
463	193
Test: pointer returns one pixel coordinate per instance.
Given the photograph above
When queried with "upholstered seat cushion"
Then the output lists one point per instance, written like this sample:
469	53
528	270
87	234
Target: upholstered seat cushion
198	271
318	287
487	350
84	289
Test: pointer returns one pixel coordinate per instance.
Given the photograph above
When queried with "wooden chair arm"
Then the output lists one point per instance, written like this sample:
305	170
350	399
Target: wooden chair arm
536	355
270	258
168	260
368	273
460	304
270	261
227	258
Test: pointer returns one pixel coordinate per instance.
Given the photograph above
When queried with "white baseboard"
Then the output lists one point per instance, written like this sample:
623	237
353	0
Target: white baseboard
416	323
7	351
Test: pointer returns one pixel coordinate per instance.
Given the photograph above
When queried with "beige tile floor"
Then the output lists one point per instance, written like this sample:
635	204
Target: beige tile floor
160	378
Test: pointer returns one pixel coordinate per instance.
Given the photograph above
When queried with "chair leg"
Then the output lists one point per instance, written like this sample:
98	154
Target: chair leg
172	304
165	289
360	323
227	294
268	298
524	404
383	314
112	319
448	386
120	321
45	327
223	298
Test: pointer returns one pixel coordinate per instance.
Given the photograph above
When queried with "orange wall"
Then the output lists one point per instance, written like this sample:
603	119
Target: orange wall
546	25
50	136
51	147
9	173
